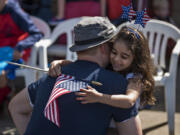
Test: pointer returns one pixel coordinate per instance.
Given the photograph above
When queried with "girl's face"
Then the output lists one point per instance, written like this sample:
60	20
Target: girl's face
121	57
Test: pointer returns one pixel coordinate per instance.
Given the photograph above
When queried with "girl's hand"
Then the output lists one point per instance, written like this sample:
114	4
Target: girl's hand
89	95
55	67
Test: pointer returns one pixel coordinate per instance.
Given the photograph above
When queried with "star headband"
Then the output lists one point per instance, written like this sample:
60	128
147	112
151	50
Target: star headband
141	16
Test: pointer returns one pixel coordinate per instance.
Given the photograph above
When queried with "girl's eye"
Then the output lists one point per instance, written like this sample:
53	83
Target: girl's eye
113	52
124	57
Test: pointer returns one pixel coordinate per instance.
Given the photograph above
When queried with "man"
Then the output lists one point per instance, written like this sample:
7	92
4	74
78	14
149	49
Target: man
55	109
17	35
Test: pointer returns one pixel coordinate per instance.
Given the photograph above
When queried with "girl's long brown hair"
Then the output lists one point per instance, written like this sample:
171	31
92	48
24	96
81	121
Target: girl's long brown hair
142	63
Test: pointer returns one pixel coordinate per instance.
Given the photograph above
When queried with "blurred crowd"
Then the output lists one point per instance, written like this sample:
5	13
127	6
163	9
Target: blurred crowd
55	11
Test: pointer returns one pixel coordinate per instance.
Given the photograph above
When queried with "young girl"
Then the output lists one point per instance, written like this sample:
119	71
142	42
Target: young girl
130	56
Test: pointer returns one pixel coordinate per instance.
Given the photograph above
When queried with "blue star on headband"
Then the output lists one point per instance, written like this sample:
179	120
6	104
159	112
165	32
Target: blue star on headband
139	18
125	14
142	17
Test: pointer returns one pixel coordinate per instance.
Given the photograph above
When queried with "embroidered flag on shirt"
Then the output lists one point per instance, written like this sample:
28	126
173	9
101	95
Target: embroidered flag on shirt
64	84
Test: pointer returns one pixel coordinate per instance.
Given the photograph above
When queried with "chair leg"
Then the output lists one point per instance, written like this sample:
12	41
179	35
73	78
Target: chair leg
43	60
170	104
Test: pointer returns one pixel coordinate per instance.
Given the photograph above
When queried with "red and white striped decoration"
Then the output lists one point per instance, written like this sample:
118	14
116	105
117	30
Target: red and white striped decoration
132	13
145	17
64	84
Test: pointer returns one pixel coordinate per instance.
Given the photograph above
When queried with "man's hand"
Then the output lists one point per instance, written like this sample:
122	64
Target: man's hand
17	55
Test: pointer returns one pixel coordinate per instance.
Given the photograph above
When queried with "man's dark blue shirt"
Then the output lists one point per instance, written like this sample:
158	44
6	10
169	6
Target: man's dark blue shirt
77	118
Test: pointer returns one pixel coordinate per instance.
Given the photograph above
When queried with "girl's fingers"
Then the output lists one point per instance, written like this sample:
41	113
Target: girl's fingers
89	87
80	94
84	102
84	90
80	98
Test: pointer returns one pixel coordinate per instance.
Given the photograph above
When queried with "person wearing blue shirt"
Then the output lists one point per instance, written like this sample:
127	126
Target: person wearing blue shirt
49	106
17	35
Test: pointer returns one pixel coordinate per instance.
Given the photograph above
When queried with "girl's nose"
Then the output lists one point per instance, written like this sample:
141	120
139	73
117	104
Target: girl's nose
116	59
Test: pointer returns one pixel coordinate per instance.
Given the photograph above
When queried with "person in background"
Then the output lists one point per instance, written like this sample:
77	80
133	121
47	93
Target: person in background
67	9
17	35
39	8
114	10
161	11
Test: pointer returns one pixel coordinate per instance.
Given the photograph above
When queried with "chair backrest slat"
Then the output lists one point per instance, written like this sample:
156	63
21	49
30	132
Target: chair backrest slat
145	34
157	46
163	51
150	40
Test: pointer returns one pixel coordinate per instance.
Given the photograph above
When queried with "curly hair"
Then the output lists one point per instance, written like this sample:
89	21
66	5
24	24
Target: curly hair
142	63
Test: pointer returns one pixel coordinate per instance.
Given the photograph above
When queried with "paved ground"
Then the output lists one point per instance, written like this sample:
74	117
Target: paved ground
155	123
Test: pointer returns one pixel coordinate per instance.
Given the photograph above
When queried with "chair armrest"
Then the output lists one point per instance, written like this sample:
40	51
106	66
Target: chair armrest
43	57
45	42
173	66
174	58
33	57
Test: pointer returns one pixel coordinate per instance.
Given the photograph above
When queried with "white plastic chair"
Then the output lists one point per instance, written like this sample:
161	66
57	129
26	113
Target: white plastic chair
163	31
59	50
30	75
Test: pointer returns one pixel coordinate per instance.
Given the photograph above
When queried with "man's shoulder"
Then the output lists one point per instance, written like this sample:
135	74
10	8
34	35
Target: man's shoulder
110	74
113	82
44	82
90	68
90	71
47	80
